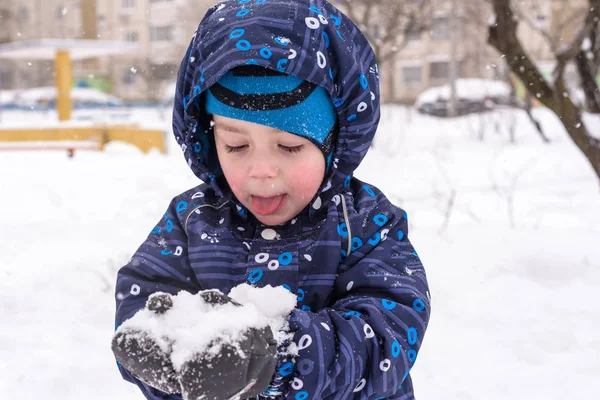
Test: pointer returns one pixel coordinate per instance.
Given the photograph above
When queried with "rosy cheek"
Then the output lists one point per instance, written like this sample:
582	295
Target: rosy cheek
234	179
307	179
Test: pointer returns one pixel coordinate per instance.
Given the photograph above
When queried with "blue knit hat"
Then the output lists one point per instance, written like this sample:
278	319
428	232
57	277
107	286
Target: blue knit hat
256	94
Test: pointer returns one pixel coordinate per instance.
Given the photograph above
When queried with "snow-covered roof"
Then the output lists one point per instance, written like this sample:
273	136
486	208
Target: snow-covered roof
168	93
33	96
7	96
45	49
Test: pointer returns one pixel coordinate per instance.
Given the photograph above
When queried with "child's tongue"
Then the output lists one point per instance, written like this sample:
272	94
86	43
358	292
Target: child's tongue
267	205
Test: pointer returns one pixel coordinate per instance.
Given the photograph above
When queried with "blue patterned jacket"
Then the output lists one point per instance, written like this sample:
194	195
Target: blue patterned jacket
363	301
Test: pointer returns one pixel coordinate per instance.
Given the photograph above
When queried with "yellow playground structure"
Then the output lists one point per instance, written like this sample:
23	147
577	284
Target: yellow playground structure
64	135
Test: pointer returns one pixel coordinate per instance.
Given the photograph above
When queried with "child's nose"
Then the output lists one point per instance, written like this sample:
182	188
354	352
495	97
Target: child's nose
262	168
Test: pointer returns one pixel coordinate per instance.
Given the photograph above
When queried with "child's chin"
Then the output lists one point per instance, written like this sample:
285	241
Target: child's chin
272	220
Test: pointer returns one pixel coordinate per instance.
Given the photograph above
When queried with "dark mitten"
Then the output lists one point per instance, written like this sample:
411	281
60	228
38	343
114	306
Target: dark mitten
139	353
216	297
240	371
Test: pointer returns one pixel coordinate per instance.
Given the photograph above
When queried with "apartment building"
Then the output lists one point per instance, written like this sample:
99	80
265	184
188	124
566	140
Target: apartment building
163	28
423	57
33	19
425	62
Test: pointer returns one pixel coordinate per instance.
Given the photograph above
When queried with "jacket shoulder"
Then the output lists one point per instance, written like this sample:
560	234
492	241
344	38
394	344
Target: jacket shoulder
366	199
369	223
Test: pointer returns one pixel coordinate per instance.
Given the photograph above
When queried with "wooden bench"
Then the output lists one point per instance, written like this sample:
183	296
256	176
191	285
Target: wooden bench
69	146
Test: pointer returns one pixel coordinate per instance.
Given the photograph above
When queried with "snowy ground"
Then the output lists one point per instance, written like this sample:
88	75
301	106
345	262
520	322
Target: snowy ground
508	233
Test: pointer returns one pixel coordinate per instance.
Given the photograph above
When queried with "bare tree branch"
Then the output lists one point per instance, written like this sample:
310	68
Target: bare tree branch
503	36
523	16
587	69
386	23
569	52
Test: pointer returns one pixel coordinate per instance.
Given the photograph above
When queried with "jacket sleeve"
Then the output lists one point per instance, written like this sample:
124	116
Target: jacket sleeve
159	265
365	344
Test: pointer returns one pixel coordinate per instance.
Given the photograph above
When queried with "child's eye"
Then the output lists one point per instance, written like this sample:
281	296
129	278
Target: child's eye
235	149
293	149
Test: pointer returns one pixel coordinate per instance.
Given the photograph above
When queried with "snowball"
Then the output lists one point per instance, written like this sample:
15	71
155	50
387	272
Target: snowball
194	326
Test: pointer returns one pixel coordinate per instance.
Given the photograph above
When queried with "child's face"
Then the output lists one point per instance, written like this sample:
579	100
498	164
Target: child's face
273	173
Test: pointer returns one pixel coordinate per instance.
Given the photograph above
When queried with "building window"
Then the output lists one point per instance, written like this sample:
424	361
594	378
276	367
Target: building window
130	36
412	76
23	15
161	33
541	21
27	78
128	4
7	79
413	33
60	12
439	70
164	72
129	77
440	28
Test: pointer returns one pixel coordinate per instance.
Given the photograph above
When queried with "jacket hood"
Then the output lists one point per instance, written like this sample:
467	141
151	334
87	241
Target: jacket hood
310	39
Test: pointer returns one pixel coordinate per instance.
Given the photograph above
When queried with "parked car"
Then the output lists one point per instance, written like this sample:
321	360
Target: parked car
7	98
45	98
472	96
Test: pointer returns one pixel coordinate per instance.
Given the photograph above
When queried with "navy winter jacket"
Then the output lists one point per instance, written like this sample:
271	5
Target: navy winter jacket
363	301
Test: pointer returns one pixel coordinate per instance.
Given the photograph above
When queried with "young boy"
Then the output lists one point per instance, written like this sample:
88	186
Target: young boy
277	103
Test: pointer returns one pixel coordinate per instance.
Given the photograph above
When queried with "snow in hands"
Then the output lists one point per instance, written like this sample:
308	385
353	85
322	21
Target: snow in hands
207	345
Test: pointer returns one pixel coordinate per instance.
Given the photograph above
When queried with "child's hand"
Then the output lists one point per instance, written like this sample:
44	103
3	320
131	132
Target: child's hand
139	353
240	364
224	371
